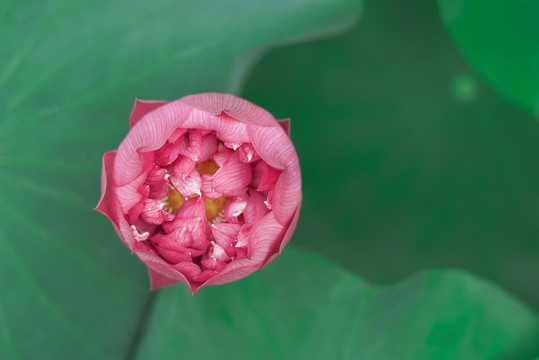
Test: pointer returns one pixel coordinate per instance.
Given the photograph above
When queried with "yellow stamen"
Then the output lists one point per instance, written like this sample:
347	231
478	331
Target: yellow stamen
207	167
173	201
214	208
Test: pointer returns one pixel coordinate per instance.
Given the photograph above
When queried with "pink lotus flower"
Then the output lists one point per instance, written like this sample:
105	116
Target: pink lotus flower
205	189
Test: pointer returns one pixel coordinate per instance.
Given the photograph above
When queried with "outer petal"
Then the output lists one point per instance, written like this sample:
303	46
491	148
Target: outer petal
275	148
287	196
161	273
106	184
285	124
141	108
158	280
149	134
110	207
131	193
268	181
265	239
228	129
238	108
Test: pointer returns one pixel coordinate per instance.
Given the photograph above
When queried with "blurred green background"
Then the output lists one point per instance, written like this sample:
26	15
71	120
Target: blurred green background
417	138
409	160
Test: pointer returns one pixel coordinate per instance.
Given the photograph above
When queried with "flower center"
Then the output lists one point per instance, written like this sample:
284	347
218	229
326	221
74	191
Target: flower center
214	208
207	167
173	201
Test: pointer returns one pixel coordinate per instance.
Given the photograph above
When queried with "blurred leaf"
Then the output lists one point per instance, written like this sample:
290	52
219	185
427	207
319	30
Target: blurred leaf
70	72
500	39
304	307
409	161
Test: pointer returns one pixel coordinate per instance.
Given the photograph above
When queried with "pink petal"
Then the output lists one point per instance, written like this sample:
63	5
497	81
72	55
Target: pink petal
157	182
275	148
131	193
213	264
177	134
134	213
258	170
247	153
192	232
184	166
161	273
142	227
193	208
186	183
149	134
232	145
269	178
189	270
158	280
227	129
255	209
265	238
167	154
206	187
243	236
188	186
290	229
239	109
234	208
106	184
222	156
192	148
141	108
233	177
153	212
209	147
285	124
287	196
204	276
235	270
173	256
268	183
264	241
180	241
226	236
217	252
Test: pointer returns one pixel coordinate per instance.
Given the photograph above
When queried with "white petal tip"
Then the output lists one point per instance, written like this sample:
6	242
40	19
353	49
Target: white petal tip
238	213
